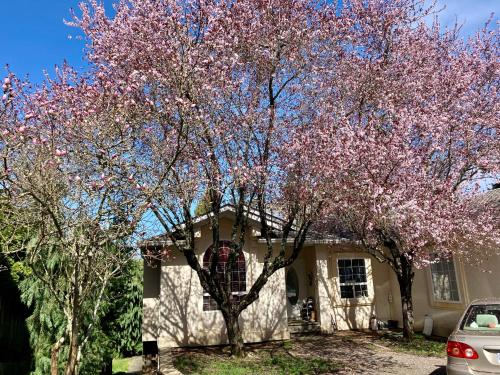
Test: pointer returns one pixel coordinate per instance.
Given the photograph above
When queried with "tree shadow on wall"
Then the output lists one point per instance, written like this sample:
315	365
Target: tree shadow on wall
178	315
182	321
344	312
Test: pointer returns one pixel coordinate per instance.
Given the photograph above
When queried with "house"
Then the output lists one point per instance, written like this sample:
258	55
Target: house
347	285
444	290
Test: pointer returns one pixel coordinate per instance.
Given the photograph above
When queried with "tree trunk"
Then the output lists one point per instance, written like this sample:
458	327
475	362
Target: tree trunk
405	279
54	356
234	333
73	348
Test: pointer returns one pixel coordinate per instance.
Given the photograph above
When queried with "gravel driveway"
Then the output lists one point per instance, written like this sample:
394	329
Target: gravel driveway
360	355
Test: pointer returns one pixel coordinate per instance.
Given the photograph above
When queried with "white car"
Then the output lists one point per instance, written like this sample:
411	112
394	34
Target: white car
474	346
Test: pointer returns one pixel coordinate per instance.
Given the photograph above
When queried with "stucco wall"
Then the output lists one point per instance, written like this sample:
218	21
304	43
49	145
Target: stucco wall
150	303
354	313
474	282
182	320
173	314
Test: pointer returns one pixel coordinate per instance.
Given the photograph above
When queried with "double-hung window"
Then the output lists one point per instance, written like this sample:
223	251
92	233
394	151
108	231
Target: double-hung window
352	277
444	281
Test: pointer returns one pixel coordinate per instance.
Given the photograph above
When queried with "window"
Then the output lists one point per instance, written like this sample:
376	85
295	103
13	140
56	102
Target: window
444	281
352	275
238	274
482	318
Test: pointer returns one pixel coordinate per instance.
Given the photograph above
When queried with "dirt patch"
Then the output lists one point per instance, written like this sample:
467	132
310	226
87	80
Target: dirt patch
361	353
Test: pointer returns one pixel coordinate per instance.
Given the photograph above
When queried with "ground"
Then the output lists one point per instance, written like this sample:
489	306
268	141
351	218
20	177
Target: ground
342	353
127	366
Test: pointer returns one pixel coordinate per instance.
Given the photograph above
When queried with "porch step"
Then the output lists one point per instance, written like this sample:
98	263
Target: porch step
303	326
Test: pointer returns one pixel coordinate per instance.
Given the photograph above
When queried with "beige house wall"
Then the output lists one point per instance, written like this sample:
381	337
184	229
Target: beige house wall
474	282
354	313
182	321
173	296
174	316
151	300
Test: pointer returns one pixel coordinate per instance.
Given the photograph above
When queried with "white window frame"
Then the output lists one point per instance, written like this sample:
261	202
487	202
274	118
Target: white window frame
457	281
365	283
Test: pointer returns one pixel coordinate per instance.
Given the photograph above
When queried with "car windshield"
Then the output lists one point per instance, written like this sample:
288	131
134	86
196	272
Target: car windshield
482	318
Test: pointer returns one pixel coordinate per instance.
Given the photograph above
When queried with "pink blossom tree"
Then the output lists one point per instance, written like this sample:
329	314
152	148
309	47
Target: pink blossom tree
239	78
68	183
409	139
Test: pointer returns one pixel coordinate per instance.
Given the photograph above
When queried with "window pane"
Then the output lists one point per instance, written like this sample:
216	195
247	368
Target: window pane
444	282
238	271
360	291
352	278
209	304
346	291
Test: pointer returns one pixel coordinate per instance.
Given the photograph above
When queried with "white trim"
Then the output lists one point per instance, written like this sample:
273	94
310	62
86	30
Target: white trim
328	241
365	283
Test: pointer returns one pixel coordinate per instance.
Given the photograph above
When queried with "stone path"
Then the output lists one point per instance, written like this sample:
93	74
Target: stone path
135	365
166	363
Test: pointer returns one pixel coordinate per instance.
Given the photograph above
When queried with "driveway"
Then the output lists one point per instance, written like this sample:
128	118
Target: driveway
361	355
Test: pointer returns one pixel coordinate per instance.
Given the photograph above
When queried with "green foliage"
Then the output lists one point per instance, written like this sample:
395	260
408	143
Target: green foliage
15	353
97	353
19	271
46	323
35	320
123	318
117	332
204	206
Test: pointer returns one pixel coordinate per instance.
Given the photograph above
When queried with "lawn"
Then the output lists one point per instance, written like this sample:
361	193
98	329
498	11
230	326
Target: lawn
120	365
421	346
269	360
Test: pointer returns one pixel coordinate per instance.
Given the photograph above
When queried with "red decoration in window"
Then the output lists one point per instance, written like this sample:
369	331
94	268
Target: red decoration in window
238	273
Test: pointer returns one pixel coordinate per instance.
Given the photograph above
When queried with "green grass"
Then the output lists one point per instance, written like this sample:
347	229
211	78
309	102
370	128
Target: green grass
420	345
262	362
120	365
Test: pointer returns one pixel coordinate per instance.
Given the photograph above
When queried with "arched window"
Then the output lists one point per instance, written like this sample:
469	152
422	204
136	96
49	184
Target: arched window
238	274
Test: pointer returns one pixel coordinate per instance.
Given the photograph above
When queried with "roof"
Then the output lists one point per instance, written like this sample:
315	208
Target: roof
490	198
274	222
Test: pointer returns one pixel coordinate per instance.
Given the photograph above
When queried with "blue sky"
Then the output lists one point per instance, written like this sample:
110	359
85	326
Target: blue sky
35	37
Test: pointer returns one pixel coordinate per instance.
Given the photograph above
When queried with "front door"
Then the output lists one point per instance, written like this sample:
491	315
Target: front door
295	289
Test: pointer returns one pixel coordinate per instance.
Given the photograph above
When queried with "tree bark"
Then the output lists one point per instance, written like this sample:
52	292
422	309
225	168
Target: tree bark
405	278
234	333
73	348
75	326
54	356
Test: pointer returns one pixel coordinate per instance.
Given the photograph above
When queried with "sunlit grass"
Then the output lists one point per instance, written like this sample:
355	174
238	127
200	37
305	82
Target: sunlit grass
420	345
120	365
